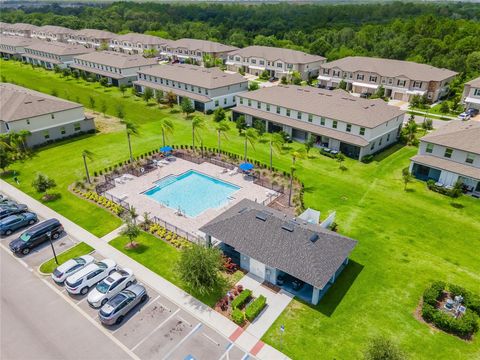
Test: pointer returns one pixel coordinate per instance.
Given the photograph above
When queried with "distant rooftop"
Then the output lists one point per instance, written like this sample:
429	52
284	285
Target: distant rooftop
116	59
136	38
59	48
201	45
273	54
457	134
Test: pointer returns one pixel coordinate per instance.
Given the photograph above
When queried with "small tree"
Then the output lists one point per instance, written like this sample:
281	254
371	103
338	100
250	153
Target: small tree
296	78
147	94
283	80
199	267
123	88
75	74
221	127
86	154
253	86
295	154
159	96
187	107
91	101
134	91
342	85
309	143
171	99
104	81
54	92
42	183
133	215
219	114
240	124
119	111
103	107
5	158
406	177
382	348
444	108
166	127
265	75
198	123
250	136
132	232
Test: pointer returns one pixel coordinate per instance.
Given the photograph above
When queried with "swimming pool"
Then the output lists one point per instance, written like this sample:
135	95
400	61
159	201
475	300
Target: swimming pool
191	192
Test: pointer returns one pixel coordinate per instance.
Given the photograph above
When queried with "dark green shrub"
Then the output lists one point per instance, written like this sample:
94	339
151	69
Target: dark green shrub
95	174
367	159
238	317
254	308
241	299
432	293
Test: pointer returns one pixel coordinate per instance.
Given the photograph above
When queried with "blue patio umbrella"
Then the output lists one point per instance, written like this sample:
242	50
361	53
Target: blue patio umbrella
246	166
166	149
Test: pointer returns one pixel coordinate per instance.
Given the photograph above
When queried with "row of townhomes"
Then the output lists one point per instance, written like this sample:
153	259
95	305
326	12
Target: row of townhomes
337	120
471	94
46	117
51	54
400	79
91	38
207	88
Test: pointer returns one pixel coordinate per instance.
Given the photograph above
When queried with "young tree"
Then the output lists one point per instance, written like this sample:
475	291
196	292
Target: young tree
406	177
103	81
171	99
86	154
342	85
198	124
240	124
199	267
253	86
296	78
147	94
275	142
283	80
222	127
382	348
103	107
187	107
133	215
132	232
91	101
131	129
120	111
43	183
123	88
444	108
250	136
166	127
295	154
309	143
75	74
54	92
159	96
219	114
5	158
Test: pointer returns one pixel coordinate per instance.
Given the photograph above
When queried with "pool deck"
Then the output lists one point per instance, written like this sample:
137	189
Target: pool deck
131	191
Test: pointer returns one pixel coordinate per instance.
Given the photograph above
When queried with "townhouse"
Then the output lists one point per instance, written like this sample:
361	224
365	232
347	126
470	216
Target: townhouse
195	50
133	43
52	33
400	79
337	120
450	154
51	54
92	38
13	47
471	94
18	29
46	117
118	68
207	88
278	62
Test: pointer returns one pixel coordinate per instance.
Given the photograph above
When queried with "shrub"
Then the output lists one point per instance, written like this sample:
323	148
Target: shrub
432	293
209	112
238	317
241	299
367	159
254	308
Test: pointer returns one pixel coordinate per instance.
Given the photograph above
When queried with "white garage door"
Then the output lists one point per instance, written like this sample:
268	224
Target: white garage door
257	268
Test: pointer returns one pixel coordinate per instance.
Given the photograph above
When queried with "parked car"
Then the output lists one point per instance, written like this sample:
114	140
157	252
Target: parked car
280	280
110	286
70	267
469	113
115	310
36	235
90	275
7	210
297	284
15	222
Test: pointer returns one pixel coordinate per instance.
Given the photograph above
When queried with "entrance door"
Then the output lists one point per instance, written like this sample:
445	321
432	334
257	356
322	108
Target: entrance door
257	268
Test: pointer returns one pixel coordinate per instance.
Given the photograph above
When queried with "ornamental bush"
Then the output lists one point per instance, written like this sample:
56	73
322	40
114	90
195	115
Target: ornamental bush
254	308
432	293
238	317
241	299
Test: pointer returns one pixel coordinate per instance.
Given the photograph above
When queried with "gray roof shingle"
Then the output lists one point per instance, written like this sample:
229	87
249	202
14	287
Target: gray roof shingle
273	54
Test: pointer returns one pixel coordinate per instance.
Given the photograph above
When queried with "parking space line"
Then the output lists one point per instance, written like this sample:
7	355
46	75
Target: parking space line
209	338
194	330
80	301
156	328
185	321
138	312
227	352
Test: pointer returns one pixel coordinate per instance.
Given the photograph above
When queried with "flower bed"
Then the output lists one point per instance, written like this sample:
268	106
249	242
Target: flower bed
169	236
241	299
101	200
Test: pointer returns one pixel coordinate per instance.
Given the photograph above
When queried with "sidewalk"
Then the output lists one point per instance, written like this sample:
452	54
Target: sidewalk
187	302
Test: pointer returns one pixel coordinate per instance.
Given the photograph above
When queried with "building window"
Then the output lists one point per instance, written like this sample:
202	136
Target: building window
76	127
299	115
334	124
241	101
476	92
310	117
388	137
470	158
417	84
216	102
53	116
268	107
360	76
429	148
62	130
288	112
372	146
279	65
380	142
46	135
224	101
278	109
326	71
362	131
448	153
28	121
401	83
349	127
253	61
322	121
373	78
249	102
259	104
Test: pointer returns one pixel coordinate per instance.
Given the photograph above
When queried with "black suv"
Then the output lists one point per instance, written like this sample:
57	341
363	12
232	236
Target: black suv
36	235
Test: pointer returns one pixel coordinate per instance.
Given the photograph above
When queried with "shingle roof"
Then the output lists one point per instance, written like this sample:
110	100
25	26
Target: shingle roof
116	59
17	103
59	48
209	78
55	29
201	45
141	38
268	241
461	135
16	40
273	54
447	164
23	27
176	91
337	104
474	82
94	33
391	68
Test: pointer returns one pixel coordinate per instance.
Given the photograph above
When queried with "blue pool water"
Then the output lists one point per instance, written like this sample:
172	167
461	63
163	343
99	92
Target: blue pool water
191	192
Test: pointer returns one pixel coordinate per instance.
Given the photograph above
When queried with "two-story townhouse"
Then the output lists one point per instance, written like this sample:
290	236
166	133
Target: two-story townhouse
12	47
471	94
18	29
51	54
400	79
133	43
118	68
46	117
337	120
207	88
52	33
278	62
450	154
91	38
194	49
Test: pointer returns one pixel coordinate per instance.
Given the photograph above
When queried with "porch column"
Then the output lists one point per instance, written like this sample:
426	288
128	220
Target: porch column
315	295
208	239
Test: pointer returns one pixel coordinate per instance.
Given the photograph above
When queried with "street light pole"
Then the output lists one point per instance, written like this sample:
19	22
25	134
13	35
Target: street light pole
49	234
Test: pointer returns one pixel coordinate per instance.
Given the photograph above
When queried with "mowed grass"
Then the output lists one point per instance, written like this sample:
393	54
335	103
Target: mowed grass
78	250
406	239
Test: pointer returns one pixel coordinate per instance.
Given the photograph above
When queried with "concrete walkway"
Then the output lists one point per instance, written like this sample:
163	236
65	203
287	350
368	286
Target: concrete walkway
114	234
185	301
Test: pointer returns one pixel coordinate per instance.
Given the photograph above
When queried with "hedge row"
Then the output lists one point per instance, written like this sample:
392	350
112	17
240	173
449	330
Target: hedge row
238	317
241	299
471	300
254	308
433	293
101	200
464	326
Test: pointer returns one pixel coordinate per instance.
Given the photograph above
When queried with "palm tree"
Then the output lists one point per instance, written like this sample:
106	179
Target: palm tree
222	127
295	154
250	135
132	232
86	154
132	213
23	134
131	129
198	123
166	126
275	141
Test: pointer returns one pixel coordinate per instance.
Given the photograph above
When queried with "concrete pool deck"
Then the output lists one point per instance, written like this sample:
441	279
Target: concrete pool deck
131	192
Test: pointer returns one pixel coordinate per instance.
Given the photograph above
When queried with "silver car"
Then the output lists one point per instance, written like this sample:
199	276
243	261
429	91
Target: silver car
115	310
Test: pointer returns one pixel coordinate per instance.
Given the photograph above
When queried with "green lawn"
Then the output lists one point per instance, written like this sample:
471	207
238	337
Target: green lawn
76	251
405	239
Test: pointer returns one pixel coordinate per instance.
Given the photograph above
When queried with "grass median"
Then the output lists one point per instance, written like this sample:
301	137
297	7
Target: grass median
78	250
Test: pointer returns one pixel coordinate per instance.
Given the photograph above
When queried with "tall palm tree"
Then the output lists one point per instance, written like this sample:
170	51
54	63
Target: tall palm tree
23	134
295	154
86	154
198	123
222	127
166	126
251	136
131	129
275	141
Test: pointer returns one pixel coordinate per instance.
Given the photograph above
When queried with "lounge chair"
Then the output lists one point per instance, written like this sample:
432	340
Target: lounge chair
233	172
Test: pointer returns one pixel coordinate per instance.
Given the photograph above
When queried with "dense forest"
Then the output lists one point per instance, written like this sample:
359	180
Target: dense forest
444	35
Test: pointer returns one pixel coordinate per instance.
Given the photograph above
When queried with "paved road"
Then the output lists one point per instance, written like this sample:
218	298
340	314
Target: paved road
38	324
436	123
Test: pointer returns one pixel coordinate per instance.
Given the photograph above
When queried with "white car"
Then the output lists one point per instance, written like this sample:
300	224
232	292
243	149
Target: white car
110	286
70	267
82	281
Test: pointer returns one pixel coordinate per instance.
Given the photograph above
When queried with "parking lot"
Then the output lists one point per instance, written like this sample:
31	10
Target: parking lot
156	329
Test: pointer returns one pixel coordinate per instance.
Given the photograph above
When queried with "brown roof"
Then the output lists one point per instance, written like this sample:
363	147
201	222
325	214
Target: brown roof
23	27
176	91
302	125
210	78
116	59
457	134
273	53
16	40
201	45
136	38
448	165
18	103
337	104
474	82
99	71
94	33
59	48
54	29
391	68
